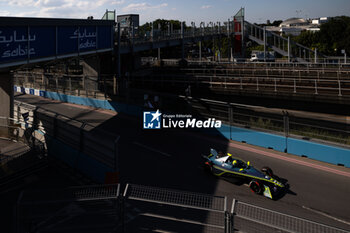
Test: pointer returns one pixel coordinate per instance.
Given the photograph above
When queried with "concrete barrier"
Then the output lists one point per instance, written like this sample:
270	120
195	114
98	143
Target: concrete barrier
326	153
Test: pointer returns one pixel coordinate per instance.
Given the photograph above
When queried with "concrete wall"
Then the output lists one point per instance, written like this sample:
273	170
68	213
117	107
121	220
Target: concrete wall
6	95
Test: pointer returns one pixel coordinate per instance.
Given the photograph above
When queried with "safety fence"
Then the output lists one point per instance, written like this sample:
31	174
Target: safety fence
315	81
325	85
77	85
105	208
22	152
290	124
173	210
81	145
75	209
17	141
251	218
299	125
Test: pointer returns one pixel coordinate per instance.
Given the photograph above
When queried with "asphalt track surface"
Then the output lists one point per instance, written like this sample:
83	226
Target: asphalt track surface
171	158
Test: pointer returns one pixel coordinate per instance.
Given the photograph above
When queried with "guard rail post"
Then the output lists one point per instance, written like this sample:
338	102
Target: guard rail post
339	88
232	213
227	222
286	128
230	118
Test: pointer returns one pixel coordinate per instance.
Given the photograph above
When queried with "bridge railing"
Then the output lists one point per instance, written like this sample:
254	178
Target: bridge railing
175	34
280	44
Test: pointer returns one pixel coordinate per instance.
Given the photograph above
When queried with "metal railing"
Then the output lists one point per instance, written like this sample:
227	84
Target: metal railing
105	208
21	139
84	137
294	124
75	209
78	85
280	44
305	82
252	218
191	212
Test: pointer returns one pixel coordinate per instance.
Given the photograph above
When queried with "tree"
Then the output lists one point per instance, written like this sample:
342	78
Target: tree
331	39
163	25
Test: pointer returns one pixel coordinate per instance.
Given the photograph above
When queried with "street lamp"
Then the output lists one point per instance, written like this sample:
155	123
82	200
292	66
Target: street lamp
168	24
193	27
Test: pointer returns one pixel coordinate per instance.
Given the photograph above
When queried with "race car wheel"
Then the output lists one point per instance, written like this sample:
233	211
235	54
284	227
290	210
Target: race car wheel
267	171
256	186
208	167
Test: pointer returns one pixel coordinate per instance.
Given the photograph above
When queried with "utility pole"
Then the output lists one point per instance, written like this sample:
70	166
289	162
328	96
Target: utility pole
288	49
116	79
315	55
182	41
344	52
264	44
159	29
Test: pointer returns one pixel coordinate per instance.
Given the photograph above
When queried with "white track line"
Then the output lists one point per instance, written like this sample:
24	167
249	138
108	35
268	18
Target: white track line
152	149
326	215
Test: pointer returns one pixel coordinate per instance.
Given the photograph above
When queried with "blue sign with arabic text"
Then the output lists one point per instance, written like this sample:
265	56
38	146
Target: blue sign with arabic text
14	44
23	44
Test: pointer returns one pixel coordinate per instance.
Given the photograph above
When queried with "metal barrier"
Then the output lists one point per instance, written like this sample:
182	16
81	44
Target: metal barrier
173	210
328	85
77	134
105	208
290	124
251	218
76	209
18	138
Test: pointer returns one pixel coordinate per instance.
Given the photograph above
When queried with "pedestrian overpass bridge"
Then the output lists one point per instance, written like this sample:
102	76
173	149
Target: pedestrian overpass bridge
35	40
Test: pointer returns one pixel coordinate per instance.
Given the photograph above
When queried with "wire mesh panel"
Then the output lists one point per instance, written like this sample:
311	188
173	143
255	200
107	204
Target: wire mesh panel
175	197
251	218
150	209
76	209
81	193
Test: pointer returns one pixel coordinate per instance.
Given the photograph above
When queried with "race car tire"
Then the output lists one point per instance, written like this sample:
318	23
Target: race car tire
208	167
268	171
256	187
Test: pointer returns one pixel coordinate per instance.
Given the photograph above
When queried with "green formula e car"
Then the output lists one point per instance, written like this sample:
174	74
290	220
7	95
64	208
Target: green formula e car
236	170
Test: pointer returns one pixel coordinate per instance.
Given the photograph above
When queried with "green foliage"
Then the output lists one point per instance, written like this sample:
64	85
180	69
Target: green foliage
331	39
275	23
163	25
